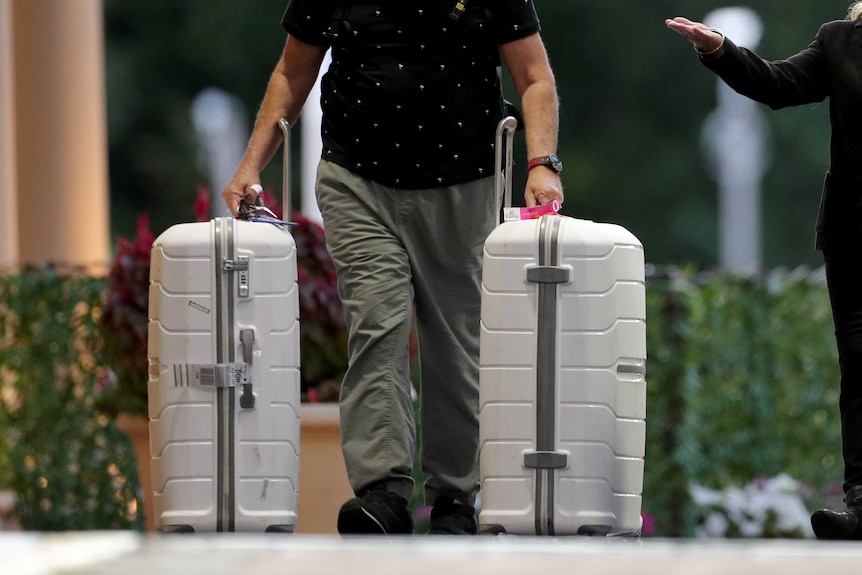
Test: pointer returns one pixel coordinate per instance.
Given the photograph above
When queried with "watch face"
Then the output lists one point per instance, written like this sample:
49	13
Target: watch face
556	164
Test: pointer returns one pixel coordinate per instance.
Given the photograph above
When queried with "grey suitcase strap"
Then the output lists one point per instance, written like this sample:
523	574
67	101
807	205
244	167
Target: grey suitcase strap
236	374
225	395
232	282
548	274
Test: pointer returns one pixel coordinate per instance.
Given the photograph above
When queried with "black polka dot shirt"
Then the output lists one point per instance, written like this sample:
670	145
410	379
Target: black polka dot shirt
412	97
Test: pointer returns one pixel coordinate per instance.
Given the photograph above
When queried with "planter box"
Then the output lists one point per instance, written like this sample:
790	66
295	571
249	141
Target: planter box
137	429
323	485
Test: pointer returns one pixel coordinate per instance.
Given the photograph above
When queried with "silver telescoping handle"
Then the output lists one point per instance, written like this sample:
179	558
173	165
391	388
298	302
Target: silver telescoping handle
503	164
285	176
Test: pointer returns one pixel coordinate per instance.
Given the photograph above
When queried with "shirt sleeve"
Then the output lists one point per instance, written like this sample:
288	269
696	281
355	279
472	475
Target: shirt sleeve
307	20
512	20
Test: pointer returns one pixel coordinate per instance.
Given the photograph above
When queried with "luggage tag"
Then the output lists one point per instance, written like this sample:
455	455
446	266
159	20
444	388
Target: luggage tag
216	375
257	212
516	214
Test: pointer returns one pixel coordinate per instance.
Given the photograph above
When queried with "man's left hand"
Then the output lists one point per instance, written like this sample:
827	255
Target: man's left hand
543	187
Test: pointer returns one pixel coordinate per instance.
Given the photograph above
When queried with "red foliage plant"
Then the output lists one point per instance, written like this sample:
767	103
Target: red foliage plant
124	323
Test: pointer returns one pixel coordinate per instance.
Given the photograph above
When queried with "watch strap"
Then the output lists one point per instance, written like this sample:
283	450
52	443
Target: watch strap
549	161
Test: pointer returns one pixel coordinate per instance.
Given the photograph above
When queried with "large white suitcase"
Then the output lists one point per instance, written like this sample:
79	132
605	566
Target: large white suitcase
224	385
562	378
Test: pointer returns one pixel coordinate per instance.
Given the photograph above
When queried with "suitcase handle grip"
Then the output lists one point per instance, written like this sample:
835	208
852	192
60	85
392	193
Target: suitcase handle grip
285	176
503	164
246	338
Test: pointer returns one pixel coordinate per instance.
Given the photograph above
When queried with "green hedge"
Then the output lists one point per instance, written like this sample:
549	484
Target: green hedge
742	383
70	466
742	378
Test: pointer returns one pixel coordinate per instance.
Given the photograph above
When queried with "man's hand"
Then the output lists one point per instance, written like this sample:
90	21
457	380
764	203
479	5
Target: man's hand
240	187
543	187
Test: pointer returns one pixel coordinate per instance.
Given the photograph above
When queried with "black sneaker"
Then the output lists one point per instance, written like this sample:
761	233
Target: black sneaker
841	525
837	525
377	512
450	517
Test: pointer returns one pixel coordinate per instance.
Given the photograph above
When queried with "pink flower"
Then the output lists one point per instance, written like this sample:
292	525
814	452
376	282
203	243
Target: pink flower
648	524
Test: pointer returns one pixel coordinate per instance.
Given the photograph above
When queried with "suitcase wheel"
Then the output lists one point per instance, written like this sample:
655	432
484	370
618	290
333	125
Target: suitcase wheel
491	529
176	529
595	530
633	533
280	528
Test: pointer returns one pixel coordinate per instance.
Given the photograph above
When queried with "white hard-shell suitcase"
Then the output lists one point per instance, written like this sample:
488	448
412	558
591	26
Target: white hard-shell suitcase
224	379
562	378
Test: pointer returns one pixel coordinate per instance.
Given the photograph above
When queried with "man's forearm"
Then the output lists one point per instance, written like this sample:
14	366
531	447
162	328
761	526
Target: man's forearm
541	118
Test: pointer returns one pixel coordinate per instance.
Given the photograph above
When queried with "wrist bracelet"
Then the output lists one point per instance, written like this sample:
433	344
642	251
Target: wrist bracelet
713	51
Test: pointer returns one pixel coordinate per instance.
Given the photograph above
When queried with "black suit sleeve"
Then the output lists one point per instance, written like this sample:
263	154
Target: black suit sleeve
801	79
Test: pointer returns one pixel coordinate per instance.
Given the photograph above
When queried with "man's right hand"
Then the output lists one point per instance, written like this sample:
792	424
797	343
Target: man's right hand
240	188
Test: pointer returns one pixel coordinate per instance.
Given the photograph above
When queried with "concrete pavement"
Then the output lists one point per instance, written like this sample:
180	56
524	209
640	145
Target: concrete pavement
129	553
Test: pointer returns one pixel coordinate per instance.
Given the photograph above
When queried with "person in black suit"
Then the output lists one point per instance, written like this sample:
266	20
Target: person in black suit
830	67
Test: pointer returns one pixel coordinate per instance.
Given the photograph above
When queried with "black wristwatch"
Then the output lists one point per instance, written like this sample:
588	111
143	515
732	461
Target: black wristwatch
551	161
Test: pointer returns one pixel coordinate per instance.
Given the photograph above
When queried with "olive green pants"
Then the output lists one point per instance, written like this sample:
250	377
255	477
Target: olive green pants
401	254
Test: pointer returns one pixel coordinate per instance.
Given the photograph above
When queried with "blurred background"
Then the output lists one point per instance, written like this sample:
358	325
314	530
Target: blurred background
742	375
634	98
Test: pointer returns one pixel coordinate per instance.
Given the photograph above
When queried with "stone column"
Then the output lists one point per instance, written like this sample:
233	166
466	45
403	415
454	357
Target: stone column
8	191
61	132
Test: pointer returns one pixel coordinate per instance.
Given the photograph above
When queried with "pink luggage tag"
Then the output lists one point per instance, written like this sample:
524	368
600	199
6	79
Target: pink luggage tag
516	214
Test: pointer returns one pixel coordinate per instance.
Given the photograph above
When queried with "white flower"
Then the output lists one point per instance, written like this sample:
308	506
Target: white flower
763	508
715	525
704	497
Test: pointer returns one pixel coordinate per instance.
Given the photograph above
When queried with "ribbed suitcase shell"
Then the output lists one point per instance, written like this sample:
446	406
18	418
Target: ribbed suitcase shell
585	475
216	465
